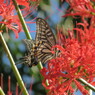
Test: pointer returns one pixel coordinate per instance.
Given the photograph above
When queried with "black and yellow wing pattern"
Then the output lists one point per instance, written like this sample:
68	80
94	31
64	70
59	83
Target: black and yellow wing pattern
40	48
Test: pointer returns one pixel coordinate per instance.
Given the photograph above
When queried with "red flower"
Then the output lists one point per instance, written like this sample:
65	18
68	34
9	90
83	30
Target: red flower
26	2
76	60
29	5
23	2
82	8
8	18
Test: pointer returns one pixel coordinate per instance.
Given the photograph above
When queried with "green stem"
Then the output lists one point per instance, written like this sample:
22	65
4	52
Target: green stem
26	32
24	27
90	92
22	20
1	91
86	83
41	67
18	77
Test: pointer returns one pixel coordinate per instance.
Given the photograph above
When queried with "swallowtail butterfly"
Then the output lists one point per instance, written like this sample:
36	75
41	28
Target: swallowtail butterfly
40	48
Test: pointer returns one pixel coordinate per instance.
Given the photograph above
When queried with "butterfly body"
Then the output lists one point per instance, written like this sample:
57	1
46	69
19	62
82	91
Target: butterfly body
40	48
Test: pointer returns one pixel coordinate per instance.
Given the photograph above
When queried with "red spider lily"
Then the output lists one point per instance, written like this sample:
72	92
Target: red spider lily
26	3
23	2
76	60
8	18
82	8
29	6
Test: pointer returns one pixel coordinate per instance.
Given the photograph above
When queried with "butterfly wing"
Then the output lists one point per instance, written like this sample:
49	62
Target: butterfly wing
40	49
44	34
29	44
29	58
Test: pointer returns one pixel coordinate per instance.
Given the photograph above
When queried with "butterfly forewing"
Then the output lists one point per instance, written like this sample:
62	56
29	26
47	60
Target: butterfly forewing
44	33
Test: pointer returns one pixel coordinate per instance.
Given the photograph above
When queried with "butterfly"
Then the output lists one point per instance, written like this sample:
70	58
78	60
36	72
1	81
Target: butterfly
40	48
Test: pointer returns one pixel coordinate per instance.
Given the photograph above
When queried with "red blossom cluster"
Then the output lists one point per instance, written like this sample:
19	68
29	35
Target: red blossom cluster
8	17
77	54
83	8
76	60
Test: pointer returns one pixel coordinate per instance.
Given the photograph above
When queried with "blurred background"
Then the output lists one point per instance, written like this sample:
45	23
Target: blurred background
52	11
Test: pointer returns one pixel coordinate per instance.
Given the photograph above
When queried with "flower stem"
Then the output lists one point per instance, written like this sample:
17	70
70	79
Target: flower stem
22	20
86	83
18	77
1	91
40	66
25	28
90	92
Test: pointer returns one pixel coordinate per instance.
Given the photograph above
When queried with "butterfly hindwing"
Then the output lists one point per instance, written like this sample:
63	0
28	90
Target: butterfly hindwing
44	33
29	44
